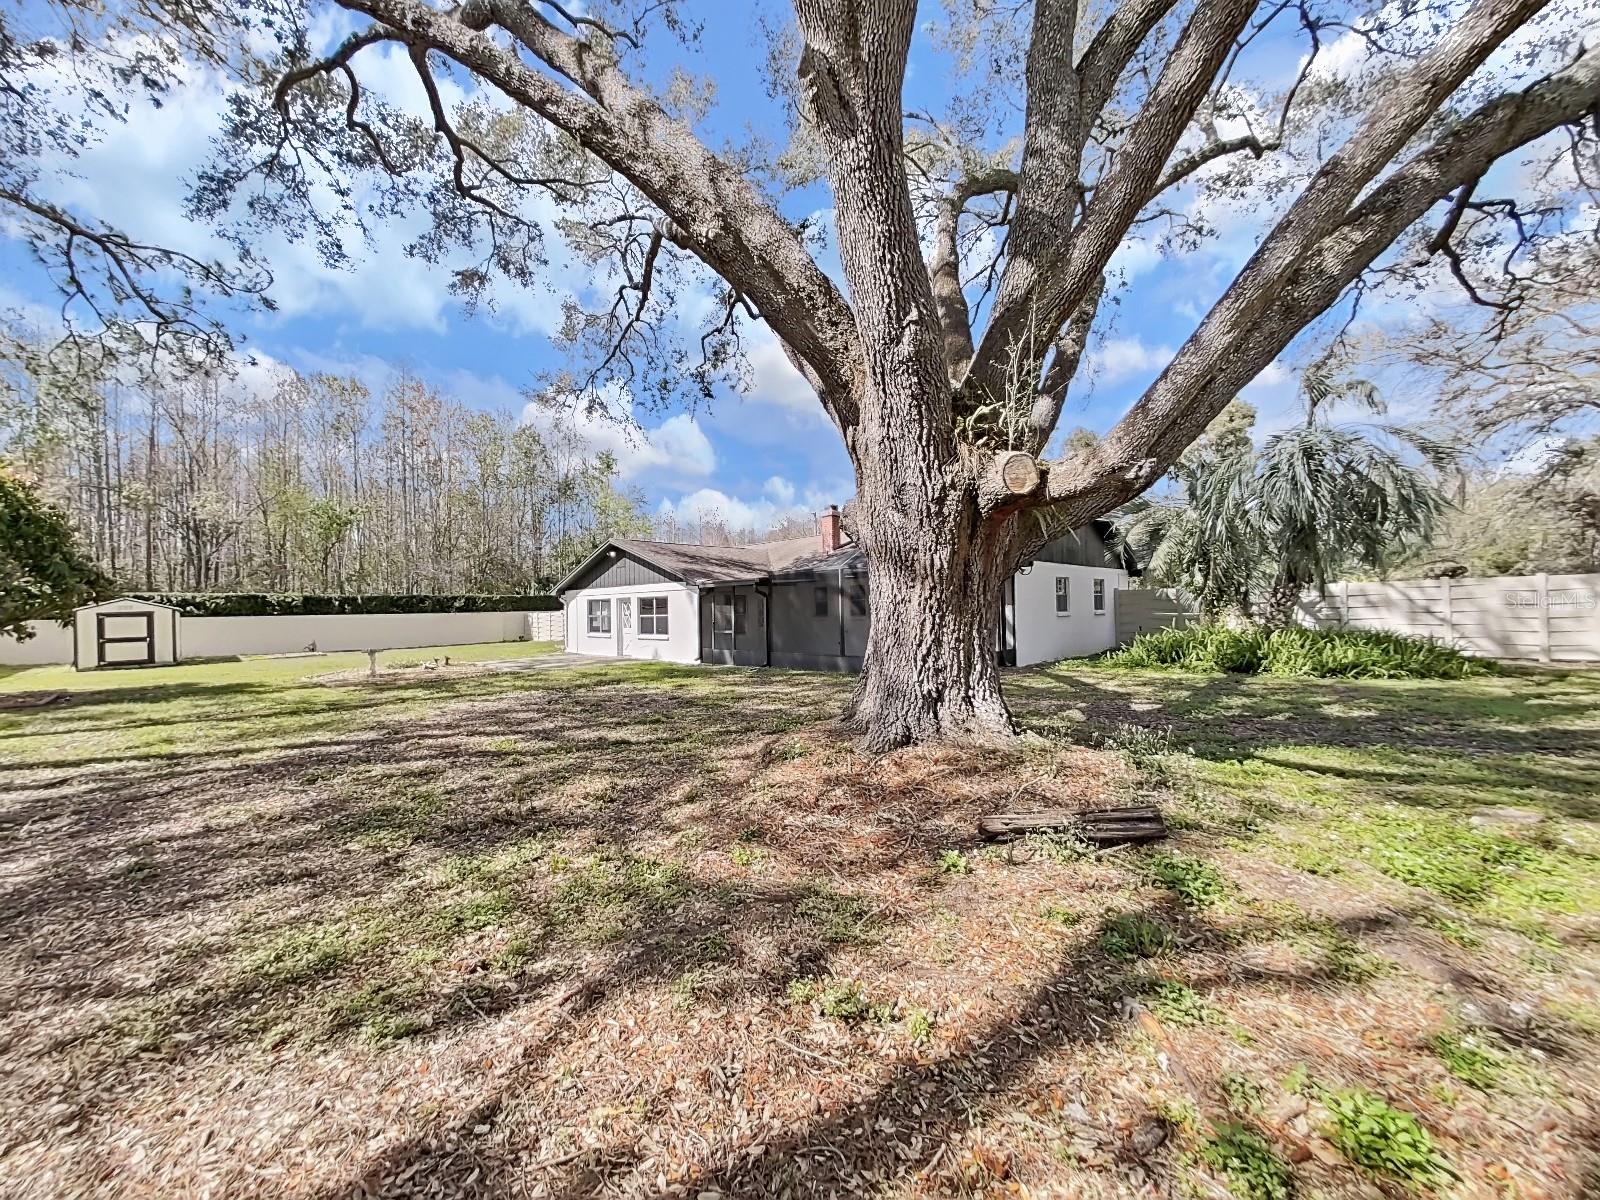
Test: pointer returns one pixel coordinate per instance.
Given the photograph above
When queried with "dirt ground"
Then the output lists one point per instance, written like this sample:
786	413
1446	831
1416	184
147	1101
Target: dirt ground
651	931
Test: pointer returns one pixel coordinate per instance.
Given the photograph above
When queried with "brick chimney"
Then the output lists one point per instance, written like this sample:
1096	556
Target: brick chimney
832	533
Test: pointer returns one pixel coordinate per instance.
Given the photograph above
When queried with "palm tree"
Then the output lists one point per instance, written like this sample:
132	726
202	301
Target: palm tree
1325	498
1192	540
1255	530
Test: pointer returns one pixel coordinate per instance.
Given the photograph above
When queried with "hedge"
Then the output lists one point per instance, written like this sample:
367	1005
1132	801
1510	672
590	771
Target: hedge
279	604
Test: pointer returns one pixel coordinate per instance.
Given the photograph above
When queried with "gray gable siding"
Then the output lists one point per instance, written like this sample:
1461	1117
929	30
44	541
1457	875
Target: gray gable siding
1079	548
622	571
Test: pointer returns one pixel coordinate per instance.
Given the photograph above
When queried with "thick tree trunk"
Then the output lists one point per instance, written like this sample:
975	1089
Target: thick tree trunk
937	570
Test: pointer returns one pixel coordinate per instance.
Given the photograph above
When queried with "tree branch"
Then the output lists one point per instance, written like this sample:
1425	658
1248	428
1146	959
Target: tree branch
715	211
1179	405
1049	284
944	263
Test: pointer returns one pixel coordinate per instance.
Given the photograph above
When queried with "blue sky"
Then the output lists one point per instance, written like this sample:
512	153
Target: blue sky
753	457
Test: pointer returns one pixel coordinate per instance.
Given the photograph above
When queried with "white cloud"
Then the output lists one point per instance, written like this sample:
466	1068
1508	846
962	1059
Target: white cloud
675	449
1117	359
779	489
778	500
775	382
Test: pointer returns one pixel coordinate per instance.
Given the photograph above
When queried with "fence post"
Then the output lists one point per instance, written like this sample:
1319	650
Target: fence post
1344	602
1449	610
1542	583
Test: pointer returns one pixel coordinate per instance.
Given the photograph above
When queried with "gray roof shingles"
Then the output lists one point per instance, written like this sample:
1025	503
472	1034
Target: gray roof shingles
737	564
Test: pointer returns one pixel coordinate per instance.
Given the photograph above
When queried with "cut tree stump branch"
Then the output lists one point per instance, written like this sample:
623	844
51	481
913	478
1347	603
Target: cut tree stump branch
1101	827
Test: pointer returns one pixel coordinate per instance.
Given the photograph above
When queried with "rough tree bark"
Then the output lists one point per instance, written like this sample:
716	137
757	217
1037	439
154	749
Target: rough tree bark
943	427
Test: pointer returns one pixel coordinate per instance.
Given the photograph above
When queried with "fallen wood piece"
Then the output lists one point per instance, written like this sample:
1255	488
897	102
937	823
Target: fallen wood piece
32	699
1102	827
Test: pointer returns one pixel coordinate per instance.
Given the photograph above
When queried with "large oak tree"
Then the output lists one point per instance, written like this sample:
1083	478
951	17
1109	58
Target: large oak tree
1081	128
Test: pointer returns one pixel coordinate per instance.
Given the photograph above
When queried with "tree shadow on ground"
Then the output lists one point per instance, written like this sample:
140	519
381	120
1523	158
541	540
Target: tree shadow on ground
399	872
1436	744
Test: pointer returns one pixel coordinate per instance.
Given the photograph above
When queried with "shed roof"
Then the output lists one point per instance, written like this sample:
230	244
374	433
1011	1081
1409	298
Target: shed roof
127	600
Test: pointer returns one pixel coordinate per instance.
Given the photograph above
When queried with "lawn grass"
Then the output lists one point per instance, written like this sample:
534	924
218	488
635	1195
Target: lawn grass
644	929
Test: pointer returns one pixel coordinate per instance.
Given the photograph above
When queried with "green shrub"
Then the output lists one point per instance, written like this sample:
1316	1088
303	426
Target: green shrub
1323	653
1382	1139
295	604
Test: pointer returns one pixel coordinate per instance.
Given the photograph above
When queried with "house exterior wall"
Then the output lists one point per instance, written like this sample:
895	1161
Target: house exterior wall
744	649
803	639
1082	547
1043	635
624	571
682	643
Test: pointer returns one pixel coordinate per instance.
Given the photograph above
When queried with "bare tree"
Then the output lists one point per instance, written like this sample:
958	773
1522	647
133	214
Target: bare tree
947	423
310	484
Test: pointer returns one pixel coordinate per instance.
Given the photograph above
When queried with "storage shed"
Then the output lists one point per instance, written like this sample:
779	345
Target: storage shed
124	633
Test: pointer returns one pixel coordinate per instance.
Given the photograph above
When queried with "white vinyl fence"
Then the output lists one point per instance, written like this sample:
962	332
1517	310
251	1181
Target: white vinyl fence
1535	618
220	637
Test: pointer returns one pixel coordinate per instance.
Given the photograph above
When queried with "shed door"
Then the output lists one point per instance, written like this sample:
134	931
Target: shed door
125	639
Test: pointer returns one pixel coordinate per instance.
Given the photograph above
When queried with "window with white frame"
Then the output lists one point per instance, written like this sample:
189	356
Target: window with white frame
653	616
599	617
1063	596
1100	597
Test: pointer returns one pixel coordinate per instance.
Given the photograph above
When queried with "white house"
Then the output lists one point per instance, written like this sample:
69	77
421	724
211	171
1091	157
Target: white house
803	602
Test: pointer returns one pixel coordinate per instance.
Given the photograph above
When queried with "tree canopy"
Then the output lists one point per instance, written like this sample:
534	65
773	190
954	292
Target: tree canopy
44	574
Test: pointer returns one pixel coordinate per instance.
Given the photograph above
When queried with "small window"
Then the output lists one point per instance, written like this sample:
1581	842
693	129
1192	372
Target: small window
1063	596
1100	597
858	601
721	617
653	616
820	598
599	616
740	621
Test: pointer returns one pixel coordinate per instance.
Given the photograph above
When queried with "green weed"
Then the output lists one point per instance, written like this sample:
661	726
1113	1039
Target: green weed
1133	935
1243	1156
1471	1057
1198	884
1382	1139
384	1012
953	862
1241	1094
1177	1003
301	954
843	920
743	855
1059	914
